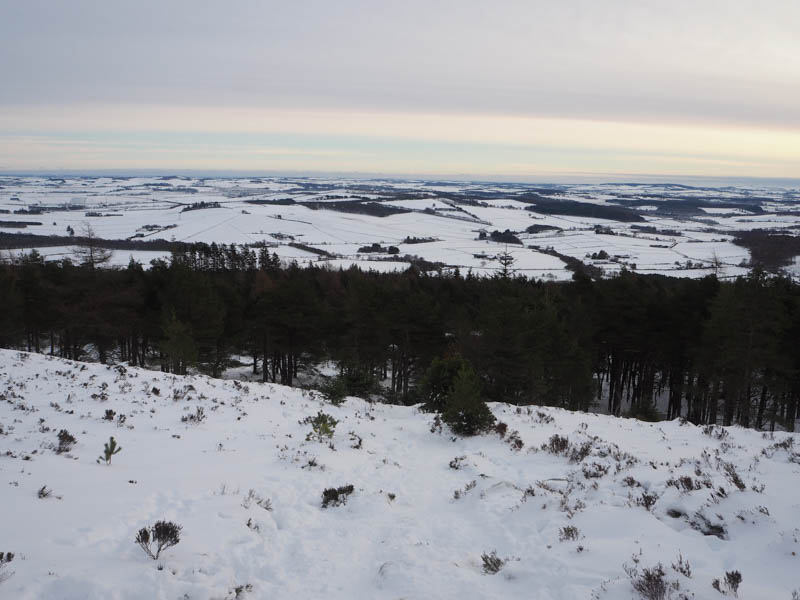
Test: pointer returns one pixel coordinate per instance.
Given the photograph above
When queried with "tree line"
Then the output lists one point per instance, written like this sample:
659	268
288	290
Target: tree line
649	346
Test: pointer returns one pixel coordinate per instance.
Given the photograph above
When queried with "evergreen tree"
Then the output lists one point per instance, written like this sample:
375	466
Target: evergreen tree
465	412
437	384
178	345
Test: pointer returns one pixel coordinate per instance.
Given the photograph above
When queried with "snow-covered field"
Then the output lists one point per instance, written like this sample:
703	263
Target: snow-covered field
452	213
246	484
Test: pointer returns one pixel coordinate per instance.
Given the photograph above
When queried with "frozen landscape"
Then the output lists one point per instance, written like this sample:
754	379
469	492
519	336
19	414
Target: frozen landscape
672	229
573	505
399	300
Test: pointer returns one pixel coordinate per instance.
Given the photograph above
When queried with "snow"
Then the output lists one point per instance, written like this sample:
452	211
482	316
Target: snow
424	543
135	202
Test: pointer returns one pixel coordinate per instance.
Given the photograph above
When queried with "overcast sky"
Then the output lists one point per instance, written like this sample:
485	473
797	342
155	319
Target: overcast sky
478	88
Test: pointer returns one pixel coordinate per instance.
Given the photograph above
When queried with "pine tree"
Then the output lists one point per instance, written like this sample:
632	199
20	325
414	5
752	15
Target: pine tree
466	413
437	384
178	345
506	261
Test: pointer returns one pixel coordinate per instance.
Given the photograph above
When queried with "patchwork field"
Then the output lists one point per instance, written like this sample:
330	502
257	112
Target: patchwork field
651	228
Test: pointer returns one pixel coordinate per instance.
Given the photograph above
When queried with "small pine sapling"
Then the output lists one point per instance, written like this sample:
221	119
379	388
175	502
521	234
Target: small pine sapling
110	448
164	534
322	426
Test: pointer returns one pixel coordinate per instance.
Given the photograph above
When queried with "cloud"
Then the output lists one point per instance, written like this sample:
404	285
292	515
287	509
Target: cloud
617	60
678	85
425	143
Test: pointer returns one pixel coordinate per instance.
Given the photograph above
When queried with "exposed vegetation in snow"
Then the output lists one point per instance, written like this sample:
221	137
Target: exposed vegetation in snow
277	493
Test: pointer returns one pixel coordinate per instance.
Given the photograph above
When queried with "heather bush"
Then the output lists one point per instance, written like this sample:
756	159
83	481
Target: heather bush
568	533
730	584
196	417
492	563
159	537
65	441
5	559
649	583
336	496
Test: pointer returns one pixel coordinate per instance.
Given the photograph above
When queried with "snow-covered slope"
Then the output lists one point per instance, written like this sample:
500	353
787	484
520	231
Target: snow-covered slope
404	532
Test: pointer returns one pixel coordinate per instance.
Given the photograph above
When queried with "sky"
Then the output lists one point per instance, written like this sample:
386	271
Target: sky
529	89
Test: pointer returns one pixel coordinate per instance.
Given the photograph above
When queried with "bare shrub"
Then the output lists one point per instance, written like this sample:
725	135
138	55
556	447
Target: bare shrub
732	580
595	470
557	444
436	424
492	563
458	494
647	500
684	484
336	496
162	535
254	526
701	523
515	441
733	476
683	567
457	462
568	533
715	431
5	559
649	583
356	439
253	498
240	591
730	585
65	441
194	418
578	453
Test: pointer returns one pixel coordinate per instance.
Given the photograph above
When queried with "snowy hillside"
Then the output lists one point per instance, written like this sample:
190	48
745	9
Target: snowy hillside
565	499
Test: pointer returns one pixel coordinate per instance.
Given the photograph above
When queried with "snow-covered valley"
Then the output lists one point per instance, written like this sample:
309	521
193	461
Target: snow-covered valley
659	228
566	500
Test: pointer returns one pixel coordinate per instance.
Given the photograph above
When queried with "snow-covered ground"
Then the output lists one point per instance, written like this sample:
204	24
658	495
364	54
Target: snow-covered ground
139	206
424	509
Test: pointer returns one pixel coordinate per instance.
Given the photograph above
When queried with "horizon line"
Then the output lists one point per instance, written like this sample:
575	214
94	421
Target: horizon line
376	175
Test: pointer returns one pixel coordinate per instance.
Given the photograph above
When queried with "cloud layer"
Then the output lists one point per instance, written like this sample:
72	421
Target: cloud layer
701	85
